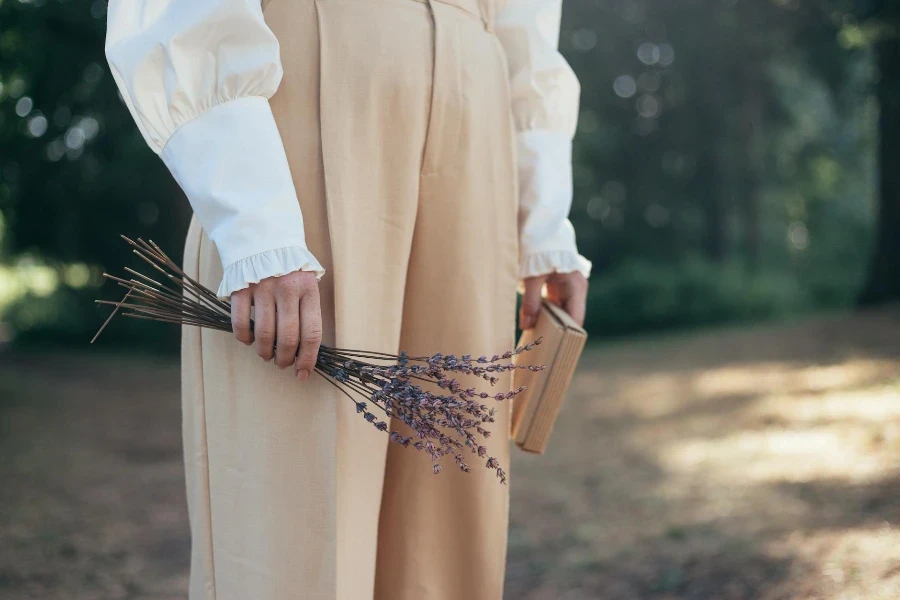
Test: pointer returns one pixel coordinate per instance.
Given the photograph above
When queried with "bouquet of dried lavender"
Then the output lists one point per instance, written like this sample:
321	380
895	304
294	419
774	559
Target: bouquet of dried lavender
447	422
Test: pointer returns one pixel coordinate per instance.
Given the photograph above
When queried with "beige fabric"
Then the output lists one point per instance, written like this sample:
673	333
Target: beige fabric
396	122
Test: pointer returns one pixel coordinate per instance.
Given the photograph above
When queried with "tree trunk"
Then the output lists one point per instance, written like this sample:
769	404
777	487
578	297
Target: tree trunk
884	271
709	175
713	161
752	115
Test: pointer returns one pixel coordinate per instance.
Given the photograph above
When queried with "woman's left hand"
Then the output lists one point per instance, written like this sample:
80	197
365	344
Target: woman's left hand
566	290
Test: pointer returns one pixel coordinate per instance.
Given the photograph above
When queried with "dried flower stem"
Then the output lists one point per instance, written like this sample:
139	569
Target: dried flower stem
444	423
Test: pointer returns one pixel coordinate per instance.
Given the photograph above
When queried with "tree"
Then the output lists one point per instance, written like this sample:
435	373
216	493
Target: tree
75	170
883	283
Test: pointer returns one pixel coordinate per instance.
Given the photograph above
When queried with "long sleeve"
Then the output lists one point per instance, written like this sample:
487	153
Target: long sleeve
545	95
196	76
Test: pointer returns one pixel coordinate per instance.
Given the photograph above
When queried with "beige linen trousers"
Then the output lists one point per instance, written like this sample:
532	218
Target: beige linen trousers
396	118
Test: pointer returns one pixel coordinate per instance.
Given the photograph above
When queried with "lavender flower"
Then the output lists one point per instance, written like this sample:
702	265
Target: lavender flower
445	422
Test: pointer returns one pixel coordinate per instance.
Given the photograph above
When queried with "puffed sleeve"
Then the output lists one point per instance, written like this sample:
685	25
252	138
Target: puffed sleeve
196	76
545	95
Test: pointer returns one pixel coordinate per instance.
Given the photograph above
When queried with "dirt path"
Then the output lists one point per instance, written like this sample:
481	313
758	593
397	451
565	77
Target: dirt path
754	464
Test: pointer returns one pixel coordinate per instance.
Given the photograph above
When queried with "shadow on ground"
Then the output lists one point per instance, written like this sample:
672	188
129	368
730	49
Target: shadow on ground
753	464
743	464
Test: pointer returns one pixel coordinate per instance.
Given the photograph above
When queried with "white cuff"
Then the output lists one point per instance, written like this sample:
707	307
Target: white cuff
272	263
546	236
231	164
554	261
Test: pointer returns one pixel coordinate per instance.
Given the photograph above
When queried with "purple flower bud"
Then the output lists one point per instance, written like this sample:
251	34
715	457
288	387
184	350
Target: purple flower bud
442	424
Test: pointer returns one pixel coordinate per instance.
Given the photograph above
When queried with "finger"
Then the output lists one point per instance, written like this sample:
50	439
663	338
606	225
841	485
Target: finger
288	332
554	292
576	306
531	302
310	333
264	323
240	315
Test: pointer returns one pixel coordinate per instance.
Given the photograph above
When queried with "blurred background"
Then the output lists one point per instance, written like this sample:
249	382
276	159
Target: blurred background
733	432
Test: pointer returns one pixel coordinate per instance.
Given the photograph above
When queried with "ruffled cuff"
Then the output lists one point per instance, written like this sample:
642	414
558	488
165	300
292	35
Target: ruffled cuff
554	261
272	263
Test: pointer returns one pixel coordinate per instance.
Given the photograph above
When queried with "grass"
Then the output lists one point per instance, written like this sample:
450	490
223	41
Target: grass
754	463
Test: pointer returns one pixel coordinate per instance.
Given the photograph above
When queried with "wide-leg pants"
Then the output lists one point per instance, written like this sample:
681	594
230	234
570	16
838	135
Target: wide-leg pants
396	120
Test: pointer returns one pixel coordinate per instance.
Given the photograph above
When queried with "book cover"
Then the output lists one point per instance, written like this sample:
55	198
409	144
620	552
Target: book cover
535	410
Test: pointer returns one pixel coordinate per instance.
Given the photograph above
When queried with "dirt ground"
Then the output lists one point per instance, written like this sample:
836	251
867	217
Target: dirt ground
756	463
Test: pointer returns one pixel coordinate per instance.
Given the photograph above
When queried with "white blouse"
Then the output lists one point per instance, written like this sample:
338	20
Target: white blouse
197	75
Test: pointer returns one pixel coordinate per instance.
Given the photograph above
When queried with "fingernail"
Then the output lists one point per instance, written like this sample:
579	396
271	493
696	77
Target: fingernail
302	374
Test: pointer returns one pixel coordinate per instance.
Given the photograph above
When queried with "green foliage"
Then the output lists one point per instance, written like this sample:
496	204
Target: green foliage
642	296
74	171
832	270
70	317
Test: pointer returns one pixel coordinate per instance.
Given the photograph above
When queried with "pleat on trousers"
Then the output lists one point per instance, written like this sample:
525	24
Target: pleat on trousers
396	120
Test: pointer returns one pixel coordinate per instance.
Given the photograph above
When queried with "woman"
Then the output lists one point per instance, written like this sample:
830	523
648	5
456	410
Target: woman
399	133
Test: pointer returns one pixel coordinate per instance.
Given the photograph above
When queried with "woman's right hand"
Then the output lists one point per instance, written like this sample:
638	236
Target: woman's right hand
288	313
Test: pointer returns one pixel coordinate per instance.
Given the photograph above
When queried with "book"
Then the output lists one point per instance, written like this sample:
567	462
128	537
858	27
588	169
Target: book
535	409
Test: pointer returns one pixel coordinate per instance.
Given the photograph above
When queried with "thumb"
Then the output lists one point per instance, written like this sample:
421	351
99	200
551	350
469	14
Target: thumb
531	302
